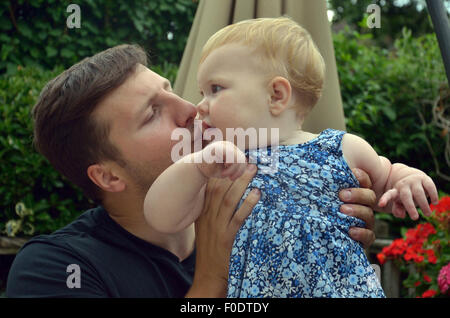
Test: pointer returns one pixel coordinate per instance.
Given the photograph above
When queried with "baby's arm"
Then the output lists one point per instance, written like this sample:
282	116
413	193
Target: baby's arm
397	186
175	199
171	200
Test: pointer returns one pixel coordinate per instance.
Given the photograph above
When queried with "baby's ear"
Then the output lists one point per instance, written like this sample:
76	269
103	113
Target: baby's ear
280	95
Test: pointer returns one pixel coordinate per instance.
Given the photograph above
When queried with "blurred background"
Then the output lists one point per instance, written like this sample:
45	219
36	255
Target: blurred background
392	80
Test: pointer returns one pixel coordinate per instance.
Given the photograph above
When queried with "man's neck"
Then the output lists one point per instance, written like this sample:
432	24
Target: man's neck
128	213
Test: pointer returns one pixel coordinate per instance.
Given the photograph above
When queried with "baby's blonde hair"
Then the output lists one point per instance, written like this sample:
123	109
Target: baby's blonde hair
287	49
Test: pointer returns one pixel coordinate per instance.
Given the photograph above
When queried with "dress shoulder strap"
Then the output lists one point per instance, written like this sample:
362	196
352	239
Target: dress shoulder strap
331	140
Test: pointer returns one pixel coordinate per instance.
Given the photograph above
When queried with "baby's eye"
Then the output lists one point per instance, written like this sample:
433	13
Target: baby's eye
216	88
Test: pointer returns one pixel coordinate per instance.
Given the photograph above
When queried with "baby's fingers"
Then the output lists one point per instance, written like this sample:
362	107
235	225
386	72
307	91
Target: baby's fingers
398	210
430	187
421	199
407	201
387	196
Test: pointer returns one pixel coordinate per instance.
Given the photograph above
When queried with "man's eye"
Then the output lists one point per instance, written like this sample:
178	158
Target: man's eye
151	115
216	88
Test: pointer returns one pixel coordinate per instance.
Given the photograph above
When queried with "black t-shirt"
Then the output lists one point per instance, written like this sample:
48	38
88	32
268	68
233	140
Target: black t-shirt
95	257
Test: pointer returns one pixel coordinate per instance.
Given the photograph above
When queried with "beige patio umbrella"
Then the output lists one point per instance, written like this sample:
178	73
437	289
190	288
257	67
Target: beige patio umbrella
213	15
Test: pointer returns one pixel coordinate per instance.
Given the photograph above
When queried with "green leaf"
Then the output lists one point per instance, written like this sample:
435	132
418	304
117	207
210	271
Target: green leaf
139	25
4	38
67	53
11	68
42	35
6	49
25	30
5	24
51	51
34	52
390	113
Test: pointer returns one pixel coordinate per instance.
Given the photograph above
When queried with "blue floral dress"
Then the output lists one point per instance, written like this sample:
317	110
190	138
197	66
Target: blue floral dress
296	243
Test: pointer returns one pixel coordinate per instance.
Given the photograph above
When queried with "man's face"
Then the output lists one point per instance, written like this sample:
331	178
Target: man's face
141	115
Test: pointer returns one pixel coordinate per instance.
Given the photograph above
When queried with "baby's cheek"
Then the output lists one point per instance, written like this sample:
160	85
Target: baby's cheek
217	116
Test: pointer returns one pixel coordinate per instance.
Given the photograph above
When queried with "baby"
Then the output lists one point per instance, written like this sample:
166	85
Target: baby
268	73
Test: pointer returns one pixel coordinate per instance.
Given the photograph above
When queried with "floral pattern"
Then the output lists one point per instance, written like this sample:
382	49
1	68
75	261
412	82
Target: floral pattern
296	243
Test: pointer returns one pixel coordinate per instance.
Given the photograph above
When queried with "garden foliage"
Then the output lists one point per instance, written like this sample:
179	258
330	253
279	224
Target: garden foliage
25	175
35	32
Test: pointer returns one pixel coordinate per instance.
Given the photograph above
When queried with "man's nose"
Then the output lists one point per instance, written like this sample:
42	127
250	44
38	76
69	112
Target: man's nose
184	111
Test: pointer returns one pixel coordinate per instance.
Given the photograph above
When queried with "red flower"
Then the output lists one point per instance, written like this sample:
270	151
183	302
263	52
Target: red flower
398	247
421	249
442	206
418	259
411	248
429	293
431	256
408	256
442	212
427	278
381	258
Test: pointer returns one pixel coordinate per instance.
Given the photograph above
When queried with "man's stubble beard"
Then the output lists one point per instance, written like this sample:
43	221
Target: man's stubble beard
142	176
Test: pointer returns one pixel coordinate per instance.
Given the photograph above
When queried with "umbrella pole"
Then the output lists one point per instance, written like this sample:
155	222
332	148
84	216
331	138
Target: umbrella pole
438	15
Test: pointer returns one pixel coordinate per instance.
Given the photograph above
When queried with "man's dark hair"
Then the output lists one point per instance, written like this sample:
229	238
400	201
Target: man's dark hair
64	130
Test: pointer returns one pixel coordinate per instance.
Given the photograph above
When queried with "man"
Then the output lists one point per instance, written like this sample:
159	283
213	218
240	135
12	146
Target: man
106	124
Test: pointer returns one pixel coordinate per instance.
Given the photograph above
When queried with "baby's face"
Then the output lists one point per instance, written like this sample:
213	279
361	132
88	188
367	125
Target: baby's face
234	89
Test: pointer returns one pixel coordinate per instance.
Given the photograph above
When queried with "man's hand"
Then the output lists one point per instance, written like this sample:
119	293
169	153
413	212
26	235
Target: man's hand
216	229
359	203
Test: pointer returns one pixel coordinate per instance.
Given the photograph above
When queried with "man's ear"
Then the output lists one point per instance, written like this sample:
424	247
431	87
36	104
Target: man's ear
105	177
280	91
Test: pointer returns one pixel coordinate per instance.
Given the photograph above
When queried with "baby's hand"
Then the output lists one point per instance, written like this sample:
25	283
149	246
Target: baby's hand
409	192
222	159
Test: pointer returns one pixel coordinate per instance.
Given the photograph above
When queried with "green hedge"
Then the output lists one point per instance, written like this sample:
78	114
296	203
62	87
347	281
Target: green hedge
25	176
34	32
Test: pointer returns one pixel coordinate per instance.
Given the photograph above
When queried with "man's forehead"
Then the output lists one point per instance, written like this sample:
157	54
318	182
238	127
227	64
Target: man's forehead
141	84
142	80
127	96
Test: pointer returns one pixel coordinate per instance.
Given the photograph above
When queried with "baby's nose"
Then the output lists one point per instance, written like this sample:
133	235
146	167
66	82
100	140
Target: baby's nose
203	108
